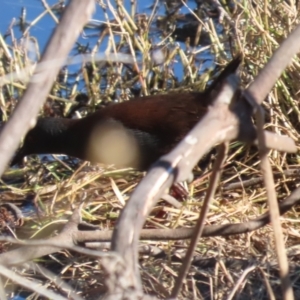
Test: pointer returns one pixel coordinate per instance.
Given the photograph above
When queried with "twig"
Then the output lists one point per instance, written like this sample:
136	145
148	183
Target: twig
253	181
266	169
29	284
240	280
268	76
23	118
214	180
60	284
176	166
208	231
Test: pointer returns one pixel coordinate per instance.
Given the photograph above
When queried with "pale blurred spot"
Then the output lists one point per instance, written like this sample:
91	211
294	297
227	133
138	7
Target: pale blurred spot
31	48
158	56
111	143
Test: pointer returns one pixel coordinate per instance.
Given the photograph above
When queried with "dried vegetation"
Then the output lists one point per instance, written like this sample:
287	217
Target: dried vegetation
235	267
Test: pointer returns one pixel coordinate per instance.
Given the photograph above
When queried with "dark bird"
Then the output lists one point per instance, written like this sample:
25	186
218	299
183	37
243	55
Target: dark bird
134	133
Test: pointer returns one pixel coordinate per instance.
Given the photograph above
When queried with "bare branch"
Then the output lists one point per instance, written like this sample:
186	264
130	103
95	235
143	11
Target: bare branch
219	125
268	76
214	180
29	284
266	169
23	118
161	175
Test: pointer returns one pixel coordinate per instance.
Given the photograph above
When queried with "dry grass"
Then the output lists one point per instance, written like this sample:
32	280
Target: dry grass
238	267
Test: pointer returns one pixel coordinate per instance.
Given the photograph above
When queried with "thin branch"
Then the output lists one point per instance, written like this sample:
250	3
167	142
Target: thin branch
208	231
176	166
76	14
214	180
29	284
59	283
266	169
268	76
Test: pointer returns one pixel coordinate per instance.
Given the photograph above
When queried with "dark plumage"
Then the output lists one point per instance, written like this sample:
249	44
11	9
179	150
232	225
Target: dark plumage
133	133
